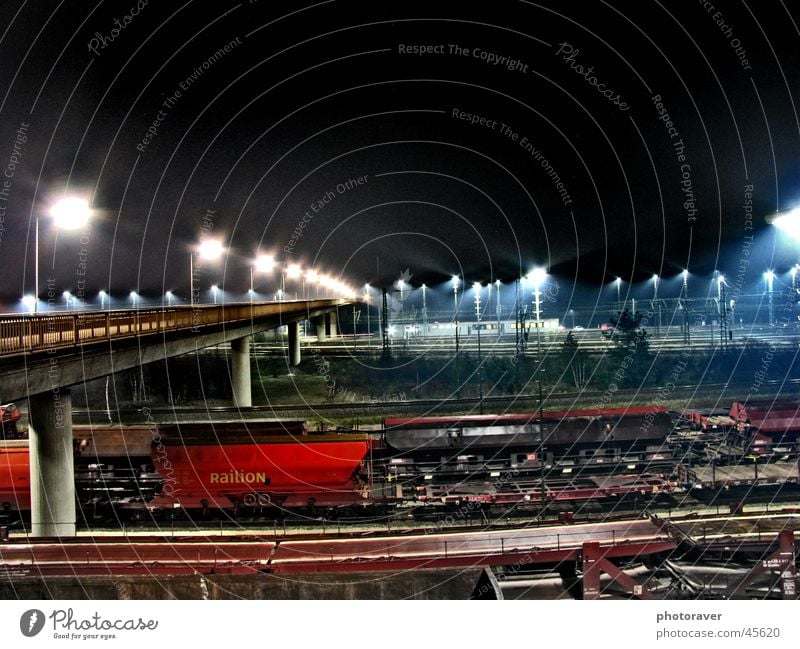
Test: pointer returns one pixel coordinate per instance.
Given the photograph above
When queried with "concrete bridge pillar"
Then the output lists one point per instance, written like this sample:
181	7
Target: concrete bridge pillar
52	464
240	371
332	318
319	323
294	344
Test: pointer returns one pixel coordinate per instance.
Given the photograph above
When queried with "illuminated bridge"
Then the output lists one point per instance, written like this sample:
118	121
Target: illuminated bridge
42	355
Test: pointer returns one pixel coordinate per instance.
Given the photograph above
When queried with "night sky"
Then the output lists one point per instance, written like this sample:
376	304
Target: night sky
596	139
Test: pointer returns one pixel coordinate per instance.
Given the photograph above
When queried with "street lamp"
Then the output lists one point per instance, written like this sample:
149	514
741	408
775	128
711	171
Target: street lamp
537	276
656	305
67	297
456	282
477	288
369	328
769	278
169	295
292	271
497	308
70	213
311	278
788	222
103	295
214	290
29	301
618	282
210	250
263	264
425	309
687	333
133	295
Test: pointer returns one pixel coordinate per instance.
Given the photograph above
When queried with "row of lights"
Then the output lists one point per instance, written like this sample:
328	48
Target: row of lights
212	250
73	213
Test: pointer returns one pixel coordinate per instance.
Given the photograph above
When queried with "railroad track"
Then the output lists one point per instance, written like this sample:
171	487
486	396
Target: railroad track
711	392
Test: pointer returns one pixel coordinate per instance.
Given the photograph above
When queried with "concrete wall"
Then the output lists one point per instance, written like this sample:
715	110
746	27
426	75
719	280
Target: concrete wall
420	584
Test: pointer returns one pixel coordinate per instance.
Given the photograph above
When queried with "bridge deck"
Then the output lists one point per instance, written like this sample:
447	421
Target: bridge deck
29	333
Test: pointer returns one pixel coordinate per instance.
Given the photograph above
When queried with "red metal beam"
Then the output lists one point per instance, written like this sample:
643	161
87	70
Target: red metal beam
188	558
782	560
595	562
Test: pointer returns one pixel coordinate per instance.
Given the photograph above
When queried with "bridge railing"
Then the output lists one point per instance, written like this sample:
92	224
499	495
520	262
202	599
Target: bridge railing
41	332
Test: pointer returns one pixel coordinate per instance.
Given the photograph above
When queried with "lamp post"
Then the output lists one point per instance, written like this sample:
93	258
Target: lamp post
425	309
214	291
795	268
262	264
293	272
369	327
477	287
209	249
311	279
103	295
498	308
687	335
456	281
69	213
769	278
618	282
538	276
656	305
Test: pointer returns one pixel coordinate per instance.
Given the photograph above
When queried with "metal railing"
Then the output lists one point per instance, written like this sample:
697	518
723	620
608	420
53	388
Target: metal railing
27	333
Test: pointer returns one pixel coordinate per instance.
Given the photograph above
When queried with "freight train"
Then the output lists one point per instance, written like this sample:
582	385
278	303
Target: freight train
275	467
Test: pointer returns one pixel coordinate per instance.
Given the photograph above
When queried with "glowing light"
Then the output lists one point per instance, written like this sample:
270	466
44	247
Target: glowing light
29	301
788	222
293	271
538	275
456	281
210	249
265	263
71	213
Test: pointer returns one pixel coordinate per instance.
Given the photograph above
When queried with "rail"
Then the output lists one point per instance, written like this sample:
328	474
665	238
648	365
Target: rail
27	333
